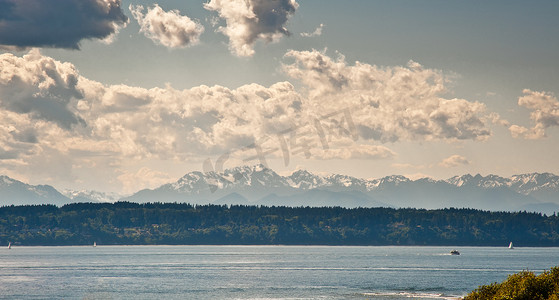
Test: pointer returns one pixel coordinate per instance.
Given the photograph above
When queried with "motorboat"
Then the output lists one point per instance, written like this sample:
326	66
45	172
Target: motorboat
454	252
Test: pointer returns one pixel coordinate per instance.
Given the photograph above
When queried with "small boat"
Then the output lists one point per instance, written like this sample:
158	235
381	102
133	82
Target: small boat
454	252
510	246
9	245
94	244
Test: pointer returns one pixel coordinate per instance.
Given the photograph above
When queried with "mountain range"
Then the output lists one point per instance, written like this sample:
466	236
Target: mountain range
258	185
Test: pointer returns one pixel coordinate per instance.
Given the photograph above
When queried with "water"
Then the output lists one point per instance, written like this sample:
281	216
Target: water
258	272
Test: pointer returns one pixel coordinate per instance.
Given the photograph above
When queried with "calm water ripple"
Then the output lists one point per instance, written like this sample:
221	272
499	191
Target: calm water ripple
259	272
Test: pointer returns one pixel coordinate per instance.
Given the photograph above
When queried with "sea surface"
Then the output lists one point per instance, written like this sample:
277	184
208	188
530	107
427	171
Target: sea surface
259	272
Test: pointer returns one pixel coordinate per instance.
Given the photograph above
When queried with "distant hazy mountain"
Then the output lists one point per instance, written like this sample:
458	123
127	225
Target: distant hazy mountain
91	196
258	185
251	183
14	192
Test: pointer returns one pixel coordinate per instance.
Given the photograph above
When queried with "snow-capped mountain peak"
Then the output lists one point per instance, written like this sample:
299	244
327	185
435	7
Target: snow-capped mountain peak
489	181
255	184
5	180
303	179
339	180
259	176
91	196
238	177
534	182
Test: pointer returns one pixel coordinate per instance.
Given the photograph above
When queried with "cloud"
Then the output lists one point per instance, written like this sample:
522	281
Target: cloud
390	103
408	166
59	24
316	32
251	20
545	114
41	87
363	101
454	161
17	136
170	123
417	176
356	152
47	109
144	177
169	29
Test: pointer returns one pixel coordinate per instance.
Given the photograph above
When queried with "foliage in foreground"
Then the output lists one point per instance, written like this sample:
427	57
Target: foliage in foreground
521	286
125	223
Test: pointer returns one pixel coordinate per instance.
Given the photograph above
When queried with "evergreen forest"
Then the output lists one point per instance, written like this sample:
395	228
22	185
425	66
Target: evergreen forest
126	223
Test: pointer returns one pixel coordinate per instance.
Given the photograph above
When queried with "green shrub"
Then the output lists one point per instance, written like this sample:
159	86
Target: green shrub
521	286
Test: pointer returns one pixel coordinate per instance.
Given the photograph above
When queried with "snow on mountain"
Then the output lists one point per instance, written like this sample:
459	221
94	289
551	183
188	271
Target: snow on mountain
259	185
91	196
258	176
534	182
195	182
391	181
526	184
303	179
6	181
239	177
459	180
490	181
344	182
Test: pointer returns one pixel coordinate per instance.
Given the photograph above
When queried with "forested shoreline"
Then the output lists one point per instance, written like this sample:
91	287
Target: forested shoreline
126	223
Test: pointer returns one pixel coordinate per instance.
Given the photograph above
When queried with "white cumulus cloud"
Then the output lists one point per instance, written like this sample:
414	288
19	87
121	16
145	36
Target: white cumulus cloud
356	152
545	114
316	32
250	20
388	103
53	117
168	28
363	101
454	161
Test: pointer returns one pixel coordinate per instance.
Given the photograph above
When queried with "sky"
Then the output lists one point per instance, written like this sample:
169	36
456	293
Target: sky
118	96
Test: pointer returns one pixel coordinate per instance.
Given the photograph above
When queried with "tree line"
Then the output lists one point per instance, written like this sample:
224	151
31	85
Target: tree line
126	223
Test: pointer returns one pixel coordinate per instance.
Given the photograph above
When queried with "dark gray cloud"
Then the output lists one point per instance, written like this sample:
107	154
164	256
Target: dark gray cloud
26	135
40	87
58	23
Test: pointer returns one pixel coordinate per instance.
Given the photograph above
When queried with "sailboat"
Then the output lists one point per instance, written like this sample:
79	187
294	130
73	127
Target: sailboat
510	246
9	245
94	244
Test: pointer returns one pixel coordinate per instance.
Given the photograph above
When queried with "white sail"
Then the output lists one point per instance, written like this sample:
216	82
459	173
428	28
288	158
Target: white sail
9	245
510	246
